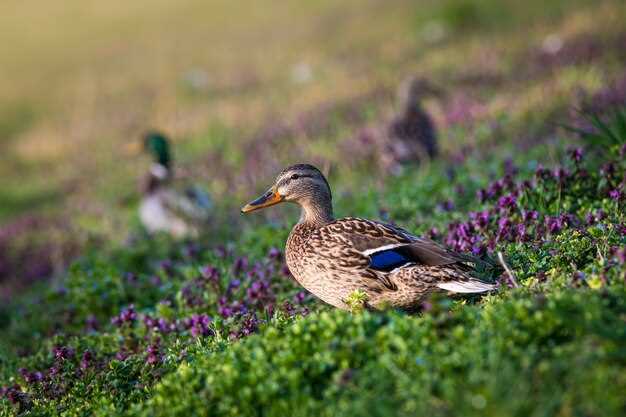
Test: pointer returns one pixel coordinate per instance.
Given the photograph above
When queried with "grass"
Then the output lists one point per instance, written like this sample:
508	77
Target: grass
143	326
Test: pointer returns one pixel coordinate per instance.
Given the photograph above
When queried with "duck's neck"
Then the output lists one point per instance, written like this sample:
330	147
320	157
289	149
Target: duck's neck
317	212
158	176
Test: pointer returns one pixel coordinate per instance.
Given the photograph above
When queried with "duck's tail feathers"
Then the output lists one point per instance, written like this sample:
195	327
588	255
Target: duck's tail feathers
467	287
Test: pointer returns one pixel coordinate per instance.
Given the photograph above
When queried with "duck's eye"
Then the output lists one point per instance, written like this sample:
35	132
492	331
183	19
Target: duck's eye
294	177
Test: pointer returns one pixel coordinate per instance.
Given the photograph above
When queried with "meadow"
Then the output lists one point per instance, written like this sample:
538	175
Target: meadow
98	318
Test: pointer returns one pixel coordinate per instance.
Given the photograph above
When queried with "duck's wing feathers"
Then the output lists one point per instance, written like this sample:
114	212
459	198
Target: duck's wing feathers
380	249
190	203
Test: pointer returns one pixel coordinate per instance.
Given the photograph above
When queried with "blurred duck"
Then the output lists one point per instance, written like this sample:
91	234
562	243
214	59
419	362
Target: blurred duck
408	137
165	206
336	259
411	136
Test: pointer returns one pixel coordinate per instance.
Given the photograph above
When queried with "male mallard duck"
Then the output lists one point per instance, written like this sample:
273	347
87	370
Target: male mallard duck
335	259
164	208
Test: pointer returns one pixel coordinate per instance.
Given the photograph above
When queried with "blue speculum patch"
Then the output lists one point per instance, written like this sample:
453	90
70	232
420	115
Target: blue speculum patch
387	260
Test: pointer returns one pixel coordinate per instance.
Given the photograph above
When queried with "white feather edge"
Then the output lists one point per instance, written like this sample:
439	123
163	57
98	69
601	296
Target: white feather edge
466	286
382	248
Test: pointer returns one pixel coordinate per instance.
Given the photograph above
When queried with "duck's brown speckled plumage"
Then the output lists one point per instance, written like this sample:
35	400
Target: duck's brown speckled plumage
331	258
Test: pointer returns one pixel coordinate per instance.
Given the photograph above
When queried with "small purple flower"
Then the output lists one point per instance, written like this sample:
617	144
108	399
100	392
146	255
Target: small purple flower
275	254
167	266
561	174
590	219
447	205
482	195
149	321
86	360
299	297
31	377
541	172
615	195
608	170
210	273
284	270
554	224
480	219
127	315
153	353
122	355
530	215
62	352
240	265
576	155
504	224
199	325
250	325
233	285
165	326
495	188
507	202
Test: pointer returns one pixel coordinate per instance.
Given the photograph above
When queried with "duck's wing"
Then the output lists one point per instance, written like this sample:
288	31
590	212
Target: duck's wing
191	203
381	249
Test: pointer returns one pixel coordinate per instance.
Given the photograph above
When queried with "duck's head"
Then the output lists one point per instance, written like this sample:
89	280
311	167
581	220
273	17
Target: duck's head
302	184
158	146
413	90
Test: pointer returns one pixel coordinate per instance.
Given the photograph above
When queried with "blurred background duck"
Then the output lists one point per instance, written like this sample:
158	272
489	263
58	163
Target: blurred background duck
336	259
411	134
182	211
408	137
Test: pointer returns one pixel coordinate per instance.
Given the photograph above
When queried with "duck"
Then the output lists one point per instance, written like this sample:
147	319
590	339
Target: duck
383	265
411	135
182	211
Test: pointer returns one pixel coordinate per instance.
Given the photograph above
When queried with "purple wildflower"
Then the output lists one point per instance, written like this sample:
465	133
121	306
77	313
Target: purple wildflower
122	355
167	266
507	202
199	325
62	352
240	265
447	205
530	215
127	315
299	297
615	195
554	224
275	254
210	273
86	360
576	155
153	353
31	377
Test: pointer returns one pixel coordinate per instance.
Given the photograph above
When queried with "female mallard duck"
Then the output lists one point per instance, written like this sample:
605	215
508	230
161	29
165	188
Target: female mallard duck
164	208
335	259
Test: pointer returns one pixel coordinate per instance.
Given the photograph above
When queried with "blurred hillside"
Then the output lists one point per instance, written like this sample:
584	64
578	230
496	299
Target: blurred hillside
246	88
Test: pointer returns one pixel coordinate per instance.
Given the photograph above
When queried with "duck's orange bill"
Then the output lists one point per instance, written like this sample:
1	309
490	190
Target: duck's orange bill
270	198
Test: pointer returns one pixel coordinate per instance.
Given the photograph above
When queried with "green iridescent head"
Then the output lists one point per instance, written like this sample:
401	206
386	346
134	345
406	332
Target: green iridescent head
158	145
